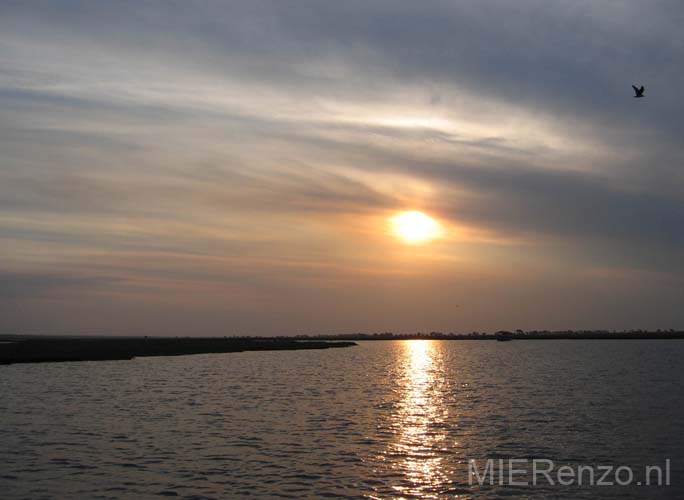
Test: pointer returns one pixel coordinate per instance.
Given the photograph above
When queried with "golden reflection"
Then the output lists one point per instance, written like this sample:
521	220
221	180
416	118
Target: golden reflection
420	422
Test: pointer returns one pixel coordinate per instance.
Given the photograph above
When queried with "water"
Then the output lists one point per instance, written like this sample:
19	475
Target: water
381	420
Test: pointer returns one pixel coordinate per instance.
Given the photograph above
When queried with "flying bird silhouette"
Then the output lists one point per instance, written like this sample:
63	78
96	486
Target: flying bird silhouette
638	92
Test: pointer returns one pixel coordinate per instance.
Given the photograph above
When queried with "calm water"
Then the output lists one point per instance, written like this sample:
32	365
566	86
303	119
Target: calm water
381	420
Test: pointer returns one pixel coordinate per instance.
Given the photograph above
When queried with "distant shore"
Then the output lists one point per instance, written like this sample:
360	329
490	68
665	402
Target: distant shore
29	349
515	335
42	349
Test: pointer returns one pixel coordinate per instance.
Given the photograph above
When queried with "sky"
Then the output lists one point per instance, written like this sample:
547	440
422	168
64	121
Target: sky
232	168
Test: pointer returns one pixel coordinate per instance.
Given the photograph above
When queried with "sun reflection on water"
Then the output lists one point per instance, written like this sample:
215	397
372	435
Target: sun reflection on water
420	422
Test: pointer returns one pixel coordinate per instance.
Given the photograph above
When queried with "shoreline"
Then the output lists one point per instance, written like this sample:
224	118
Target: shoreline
16	349
66	349
676	335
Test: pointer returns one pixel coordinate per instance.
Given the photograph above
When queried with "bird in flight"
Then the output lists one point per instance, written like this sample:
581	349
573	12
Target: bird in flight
638	92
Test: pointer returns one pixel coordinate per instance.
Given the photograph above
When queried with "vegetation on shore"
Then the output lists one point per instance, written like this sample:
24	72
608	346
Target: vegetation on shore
50	349
37	349
517	334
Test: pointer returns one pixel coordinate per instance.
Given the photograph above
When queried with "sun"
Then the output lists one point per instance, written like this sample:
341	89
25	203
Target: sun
415	227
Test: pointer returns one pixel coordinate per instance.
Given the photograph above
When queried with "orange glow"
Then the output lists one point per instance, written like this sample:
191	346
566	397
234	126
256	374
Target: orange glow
415	227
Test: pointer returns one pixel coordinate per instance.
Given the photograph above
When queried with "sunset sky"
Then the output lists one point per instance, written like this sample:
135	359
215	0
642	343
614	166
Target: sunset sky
221	168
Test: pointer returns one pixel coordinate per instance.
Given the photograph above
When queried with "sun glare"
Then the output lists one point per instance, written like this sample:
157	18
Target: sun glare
415	227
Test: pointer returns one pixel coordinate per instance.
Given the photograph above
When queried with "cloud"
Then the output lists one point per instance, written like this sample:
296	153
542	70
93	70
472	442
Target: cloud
229	139
22	285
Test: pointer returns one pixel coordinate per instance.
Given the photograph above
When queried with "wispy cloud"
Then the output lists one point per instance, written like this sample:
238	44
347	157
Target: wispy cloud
254	150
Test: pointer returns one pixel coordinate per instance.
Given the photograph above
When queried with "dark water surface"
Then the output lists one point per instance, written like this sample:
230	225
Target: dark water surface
395	419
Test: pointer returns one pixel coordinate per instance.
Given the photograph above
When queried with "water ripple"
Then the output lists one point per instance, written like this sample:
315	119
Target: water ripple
383	420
